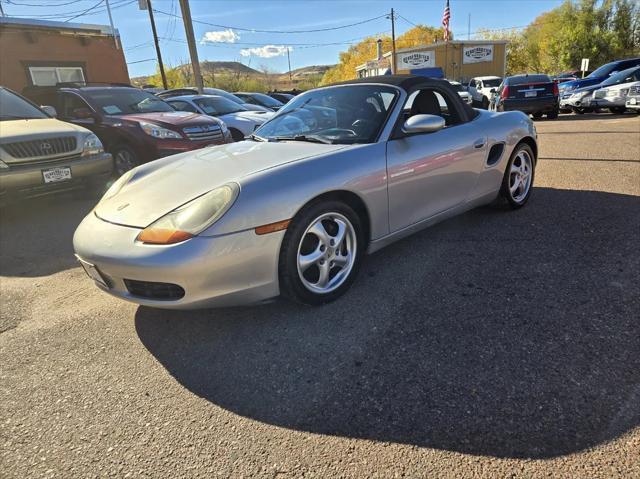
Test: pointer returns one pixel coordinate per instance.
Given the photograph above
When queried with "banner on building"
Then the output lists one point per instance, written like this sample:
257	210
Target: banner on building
481	53
413	60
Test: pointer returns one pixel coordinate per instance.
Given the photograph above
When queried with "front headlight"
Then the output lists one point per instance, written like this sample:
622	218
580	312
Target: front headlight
580	95
159	132
92	145
191	218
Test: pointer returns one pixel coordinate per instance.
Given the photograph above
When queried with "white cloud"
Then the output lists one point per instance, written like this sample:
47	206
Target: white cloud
222	36
268	51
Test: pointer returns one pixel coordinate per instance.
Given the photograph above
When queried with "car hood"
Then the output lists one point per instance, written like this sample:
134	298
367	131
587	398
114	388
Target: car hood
172	118
259	116
161	186
584	82
10	130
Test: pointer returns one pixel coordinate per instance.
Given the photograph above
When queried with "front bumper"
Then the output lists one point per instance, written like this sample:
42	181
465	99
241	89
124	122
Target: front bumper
214	271
26	179
608	102
571	103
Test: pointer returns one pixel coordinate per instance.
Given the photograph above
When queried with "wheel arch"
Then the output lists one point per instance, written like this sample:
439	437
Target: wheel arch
350	198
528	140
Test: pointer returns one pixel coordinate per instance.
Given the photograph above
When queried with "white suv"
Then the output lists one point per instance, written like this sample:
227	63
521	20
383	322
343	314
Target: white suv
480	89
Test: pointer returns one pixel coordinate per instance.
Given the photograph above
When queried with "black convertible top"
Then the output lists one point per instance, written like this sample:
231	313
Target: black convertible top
409	83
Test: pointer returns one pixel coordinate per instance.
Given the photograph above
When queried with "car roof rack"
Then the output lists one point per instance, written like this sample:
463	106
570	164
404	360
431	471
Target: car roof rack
177	92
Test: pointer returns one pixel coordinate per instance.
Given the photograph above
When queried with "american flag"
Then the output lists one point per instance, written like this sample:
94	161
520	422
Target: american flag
446	16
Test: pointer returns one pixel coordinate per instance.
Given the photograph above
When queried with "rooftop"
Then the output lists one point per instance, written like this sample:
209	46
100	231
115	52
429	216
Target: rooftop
33	24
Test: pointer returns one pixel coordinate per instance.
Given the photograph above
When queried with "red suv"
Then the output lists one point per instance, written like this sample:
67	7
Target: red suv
133	125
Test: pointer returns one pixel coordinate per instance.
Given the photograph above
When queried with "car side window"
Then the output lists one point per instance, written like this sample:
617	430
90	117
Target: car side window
479	83
428	101
472	84
183	106
69	104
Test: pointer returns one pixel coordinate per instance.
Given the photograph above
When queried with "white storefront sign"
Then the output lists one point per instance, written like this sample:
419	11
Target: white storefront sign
415	60
480	53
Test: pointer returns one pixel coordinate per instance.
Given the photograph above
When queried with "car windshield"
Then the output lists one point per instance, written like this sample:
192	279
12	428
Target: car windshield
126	101
266	100
216	105
12	107
458	87
340	115
603	70
492	82
620	76
226	94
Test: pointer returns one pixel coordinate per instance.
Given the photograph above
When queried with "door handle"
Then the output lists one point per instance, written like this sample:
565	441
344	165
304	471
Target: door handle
479	144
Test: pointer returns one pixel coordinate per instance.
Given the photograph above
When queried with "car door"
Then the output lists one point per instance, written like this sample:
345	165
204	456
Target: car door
472	90
430	173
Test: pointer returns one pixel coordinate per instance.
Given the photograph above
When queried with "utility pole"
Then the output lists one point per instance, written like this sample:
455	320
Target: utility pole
113	30
155	40
191	41
289	60
393	42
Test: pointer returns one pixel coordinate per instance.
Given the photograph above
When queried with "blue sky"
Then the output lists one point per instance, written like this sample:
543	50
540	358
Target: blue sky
284	15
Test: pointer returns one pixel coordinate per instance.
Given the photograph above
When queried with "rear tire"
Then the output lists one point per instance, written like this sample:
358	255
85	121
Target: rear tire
124	159
553	115
617	110
517	182
321	253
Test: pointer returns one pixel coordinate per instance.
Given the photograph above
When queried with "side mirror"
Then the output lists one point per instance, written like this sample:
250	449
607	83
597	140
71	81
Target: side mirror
49	110
493	90
82	114
423	124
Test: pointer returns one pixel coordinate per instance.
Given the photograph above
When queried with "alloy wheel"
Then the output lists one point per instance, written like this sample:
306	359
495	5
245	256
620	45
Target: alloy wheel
326	253
124	161
520	176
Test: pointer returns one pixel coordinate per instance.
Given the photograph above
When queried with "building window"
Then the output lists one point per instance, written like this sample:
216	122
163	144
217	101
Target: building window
50	76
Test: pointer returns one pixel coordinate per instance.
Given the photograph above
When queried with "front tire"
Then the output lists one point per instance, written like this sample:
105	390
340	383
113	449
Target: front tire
124	159
518	176
485	103
321	253
617	110
552	115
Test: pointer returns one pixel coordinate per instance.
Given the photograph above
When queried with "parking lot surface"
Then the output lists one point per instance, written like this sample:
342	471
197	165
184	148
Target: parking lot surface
496	344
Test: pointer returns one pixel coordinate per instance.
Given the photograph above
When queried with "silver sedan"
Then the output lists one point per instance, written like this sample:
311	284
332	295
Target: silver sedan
338	172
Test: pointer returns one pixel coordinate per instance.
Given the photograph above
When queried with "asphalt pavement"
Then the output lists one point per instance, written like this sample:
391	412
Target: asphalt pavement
496	344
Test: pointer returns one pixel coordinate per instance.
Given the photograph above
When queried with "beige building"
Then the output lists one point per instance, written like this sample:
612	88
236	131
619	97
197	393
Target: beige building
458	60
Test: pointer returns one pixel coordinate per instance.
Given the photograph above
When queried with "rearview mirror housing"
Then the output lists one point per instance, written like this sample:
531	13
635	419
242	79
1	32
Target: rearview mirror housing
423	124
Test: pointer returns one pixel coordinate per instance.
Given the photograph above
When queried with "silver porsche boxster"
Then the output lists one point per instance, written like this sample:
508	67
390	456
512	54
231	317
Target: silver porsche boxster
338	172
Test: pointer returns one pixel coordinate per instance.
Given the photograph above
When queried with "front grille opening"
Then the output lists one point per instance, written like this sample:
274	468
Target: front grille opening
41	148
153	290
495	153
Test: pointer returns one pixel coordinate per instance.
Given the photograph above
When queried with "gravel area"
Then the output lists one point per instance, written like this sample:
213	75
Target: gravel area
496	344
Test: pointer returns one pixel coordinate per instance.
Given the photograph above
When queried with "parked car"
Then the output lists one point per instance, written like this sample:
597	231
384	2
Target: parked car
40	155
239	120
536	94
284	98
480	89
571	75
464	94
633	99
584	100
294	215
614	96
260	99
598	75
134	125
213	91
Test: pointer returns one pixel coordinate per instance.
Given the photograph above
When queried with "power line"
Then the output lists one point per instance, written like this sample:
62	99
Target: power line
48	5
254	30
86	11
142	61
78	13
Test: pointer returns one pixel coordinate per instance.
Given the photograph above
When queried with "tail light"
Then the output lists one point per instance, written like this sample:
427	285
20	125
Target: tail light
505	93
556	90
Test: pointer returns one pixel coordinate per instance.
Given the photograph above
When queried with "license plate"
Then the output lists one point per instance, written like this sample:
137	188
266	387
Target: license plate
528	94
54	175
632	101
93	272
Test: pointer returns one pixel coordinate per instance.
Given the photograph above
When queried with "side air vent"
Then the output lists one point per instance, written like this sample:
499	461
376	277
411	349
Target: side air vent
495	153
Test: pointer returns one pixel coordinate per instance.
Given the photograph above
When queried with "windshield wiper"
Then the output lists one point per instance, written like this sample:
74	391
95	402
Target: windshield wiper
255	137
309	138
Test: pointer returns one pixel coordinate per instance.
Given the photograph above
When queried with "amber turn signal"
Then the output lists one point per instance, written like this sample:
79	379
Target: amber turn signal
163	236
272	227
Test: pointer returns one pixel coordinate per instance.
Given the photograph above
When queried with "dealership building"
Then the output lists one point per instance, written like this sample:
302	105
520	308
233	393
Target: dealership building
43	53
458	60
